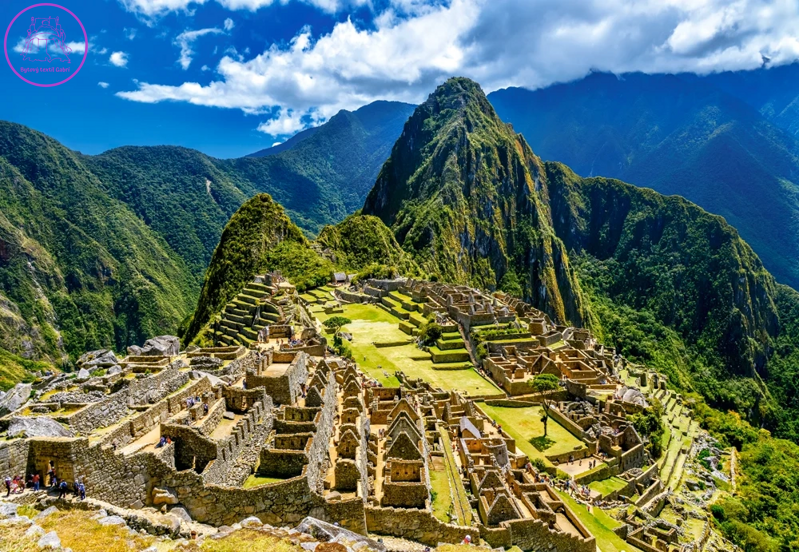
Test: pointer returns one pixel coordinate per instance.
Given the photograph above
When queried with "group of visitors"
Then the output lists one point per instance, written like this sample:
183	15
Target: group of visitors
17	484
14	485
164	441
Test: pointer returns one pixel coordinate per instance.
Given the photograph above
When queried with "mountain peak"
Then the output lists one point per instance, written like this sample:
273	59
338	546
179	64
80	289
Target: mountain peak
457	179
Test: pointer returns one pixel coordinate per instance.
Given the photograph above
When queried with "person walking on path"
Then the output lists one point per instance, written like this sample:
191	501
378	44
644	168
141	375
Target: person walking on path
36	481
8	486
62	489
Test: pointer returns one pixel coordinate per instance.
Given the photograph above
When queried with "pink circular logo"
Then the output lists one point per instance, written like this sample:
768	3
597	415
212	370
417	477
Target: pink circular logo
44	49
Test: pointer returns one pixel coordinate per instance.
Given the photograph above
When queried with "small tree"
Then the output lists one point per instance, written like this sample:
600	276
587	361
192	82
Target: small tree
541	384
334	324
430	333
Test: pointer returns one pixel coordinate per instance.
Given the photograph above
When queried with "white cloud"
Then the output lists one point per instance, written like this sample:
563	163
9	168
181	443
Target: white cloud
102	84
103	51
229	24
120	59
156	8
412	46
78	48
151	8
185	41
205	68
287	122
130	34
276	144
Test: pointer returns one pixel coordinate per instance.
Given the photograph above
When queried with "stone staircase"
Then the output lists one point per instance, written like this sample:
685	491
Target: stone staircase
248	313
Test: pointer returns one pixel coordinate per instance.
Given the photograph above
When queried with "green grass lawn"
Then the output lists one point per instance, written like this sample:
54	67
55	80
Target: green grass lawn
608	486
601	525
524	424
372	324
439	483
256	480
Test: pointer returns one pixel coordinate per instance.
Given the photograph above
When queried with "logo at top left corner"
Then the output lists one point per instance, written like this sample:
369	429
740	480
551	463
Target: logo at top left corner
46	45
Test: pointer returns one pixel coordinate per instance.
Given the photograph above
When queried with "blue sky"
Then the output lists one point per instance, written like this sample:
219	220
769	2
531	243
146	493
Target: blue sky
229	77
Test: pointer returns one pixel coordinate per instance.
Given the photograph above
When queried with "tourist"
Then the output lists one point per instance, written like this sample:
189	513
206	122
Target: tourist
82	491
8	486
35	481
161	443
51	473
62	489
168	440
467	540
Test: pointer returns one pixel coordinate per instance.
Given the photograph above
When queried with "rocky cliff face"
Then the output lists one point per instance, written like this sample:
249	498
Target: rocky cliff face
467	197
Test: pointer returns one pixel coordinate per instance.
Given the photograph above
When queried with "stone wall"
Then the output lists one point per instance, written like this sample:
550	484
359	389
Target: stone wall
284	389
212	419
140	391
417	525
535	535
14	458
192	450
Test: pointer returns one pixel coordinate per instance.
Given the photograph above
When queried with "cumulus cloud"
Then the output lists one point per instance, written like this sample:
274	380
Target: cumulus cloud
412	46
119	59
102	84
229	24
186	39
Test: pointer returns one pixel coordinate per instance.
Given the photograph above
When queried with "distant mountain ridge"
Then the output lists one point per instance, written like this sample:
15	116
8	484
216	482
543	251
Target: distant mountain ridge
108	250
677	135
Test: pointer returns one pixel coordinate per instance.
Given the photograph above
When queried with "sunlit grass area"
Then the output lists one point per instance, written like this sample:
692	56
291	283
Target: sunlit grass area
244	540
607	486
78	531
601	525
524	424
257	480
371	324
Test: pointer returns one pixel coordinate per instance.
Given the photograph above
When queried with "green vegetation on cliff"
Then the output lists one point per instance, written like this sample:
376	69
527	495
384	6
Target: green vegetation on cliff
259	238
78	269
360	241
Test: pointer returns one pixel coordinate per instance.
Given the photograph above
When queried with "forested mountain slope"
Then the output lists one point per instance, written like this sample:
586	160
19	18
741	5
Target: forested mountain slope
678	135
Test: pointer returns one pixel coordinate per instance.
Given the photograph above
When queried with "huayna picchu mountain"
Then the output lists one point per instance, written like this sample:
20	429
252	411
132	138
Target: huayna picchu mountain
466	197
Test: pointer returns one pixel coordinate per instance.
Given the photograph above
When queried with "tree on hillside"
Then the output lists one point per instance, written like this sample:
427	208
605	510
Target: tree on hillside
334	324
541	384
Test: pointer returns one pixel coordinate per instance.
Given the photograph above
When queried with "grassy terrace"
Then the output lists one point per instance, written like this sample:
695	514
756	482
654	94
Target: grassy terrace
257	480
372	324
439	486
524	424
601	525
462	509
608	486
